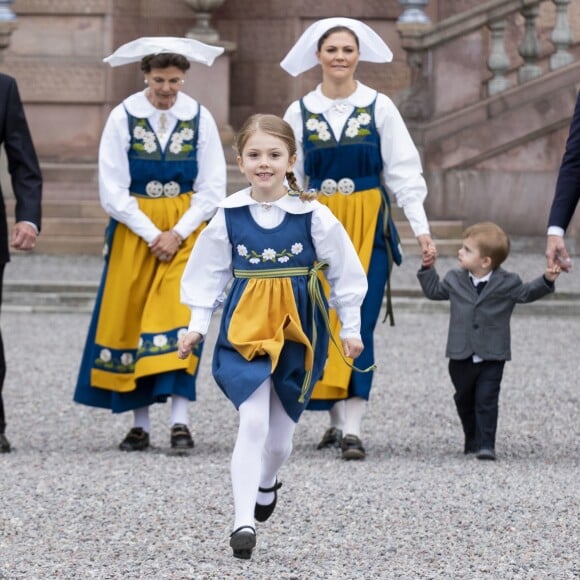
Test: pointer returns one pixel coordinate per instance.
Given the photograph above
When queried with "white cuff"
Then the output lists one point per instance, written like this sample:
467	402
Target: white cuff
556	231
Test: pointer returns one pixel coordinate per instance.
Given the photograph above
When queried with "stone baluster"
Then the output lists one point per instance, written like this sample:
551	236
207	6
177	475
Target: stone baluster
498	61
561	37
8	24
6	10
413	13
203	30
530	47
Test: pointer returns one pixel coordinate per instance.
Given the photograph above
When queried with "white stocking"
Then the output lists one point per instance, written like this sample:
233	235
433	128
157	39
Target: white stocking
337	414
278	447
355	410
141	418
179	407
246	464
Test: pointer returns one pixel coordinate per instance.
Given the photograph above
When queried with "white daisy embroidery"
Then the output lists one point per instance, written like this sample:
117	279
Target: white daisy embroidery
364	118
312	124
150	146
175	147
160	340
105	355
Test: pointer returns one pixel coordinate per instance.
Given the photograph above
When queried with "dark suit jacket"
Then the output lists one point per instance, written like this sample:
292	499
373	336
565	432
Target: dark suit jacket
22	162
568	184
480	323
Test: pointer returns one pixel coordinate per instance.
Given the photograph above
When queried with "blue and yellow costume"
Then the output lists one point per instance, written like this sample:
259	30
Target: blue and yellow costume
273	322
269	318
130	358
348	172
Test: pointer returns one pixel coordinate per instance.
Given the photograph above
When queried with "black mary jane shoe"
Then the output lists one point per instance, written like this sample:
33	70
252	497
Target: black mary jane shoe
243	541
263	512
181	439
332	438
352	448
136	440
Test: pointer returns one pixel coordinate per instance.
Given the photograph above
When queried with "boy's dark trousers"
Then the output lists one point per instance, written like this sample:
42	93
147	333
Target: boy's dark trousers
476	397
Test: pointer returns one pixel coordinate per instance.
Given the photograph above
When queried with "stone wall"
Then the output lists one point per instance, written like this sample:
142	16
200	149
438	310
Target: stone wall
56	55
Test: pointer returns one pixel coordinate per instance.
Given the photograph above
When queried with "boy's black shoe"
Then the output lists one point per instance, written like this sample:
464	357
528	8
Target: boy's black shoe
4	444
243	541
486	454
331	438
469	447
136	440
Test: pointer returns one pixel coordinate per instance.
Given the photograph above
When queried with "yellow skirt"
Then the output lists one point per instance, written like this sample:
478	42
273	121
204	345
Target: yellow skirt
358	213
141	316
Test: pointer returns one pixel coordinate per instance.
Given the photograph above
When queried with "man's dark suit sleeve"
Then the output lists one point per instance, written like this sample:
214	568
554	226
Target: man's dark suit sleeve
568	185
22	161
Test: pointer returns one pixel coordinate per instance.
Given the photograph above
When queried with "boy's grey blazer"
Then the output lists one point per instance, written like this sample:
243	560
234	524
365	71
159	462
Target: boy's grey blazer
481	323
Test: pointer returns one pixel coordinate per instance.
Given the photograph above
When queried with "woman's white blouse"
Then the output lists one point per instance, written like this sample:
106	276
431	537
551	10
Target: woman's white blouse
402	170
209	268
114	177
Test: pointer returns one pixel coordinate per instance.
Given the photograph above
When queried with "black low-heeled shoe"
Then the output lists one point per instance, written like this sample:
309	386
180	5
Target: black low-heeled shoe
243	541
263	512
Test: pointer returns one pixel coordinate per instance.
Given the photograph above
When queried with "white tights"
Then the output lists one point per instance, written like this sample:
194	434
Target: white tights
263	445
179	414
347	415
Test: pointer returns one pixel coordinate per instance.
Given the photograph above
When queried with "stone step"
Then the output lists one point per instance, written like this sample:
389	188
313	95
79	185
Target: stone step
40	296
74	222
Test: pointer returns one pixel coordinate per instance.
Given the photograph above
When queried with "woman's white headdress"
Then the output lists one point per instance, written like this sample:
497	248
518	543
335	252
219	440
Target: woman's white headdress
191	49
302	55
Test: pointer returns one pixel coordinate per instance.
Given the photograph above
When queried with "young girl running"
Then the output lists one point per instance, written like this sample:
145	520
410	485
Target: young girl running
273	337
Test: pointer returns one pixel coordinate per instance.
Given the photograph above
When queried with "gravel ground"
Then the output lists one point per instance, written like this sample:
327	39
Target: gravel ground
74	507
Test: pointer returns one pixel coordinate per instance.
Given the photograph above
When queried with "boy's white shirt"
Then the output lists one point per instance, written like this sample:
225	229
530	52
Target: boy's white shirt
209	268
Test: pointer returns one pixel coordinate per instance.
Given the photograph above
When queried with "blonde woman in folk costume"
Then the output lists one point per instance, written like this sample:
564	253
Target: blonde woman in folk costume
161	174
352	142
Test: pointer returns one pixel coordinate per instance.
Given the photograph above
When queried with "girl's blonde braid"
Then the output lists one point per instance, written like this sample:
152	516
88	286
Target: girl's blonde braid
309	195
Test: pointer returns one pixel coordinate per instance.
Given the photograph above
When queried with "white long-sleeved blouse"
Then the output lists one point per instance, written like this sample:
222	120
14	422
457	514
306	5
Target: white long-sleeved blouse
209	268
402	169
114	177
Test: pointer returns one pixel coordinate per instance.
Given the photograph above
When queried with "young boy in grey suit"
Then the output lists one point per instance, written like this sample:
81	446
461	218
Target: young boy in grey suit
482	297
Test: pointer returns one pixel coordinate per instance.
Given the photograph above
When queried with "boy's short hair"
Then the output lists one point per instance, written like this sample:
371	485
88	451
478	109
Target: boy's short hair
491	241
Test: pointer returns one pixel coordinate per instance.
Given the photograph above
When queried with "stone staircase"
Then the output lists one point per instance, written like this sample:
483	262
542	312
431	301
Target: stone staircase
74	223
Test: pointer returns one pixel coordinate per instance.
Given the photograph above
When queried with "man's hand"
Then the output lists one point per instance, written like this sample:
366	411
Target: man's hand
557	254
23	236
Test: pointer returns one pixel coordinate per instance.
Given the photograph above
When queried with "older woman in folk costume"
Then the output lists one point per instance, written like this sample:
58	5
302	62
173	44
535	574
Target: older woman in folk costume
162	173
353	144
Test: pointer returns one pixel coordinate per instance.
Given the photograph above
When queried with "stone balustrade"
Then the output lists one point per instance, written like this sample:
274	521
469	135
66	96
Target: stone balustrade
482	52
